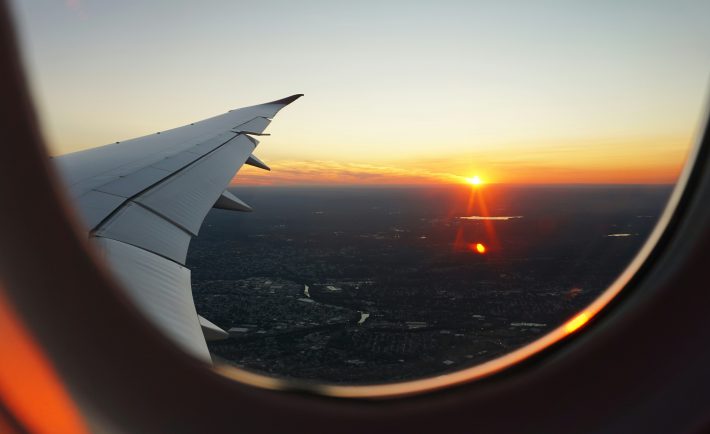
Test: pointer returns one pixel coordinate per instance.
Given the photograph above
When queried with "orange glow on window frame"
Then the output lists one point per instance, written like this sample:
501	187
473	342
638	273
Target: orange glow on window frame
578	321
29	386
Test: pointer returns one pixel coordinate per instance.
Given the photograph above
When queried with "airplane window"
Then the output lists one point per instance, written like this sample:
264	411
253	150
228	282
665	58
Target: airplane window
463	182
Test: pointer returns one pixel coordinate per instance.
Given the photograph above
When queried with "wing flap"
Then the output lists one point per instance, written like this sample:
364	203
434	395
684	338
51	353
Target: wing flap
135	225
187	197
161	289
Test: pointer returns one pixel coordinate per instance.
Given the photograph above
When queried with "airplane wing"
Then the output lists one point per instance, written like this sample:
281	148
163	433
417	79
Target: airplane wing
144	199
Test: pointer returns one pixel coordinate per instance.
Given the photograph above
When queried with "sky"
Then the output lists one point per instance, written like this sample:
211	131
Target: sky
396	92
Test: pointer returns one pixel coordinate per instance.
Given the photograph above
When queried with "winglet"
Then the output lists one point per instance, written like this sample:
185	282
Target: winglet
287	100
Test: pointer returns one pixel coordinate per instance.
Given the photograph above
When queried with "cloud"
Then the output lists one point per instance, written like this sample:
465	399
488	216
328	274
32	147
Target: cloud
289	172
597	162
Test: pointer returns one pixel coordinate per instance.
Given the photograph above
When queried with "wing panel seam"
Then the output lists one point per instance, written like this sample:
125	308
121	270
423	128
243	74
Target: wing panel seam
140	247
167	219
131	199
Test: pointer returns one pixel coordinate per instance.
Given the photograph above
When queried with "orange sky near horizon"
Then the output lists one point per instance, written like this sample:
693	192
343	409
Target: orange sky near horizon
599	163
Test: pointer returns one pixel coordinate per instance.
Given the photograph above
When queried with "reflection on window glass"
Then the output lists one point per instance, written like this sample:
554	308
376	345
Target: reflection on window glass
460	178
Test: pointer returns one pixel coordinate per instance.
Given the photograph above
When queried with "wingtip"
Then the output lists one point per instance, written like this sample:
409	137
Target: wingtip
287	100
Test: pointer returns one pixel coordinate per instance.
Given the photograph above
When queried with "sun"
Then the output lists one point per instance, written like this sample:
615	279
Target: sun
475	181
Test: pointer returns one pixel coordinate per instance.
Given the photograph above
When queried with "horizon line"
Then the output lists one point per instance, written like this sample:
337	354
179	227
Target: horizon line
462	185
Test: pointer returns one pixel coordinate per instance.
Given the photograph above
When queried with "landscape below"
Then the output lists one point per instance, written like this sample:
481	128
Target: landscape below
358	285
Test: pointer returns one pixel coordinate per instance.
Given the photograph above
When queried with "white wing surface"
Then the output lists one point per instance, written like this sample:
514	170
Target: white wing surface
144	199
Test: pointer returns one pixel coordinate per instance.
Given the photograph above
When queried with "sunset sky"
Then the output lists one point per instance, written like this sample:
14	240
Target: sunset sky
396	92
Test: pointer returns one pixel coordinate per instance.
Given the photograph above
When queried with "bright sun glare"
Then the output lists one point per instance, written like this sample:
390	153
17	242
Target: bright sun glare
476	180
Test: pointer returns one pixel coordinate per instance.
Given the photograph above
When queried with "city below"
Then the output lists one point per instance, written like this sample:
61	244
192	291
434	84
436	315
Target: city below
355	285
